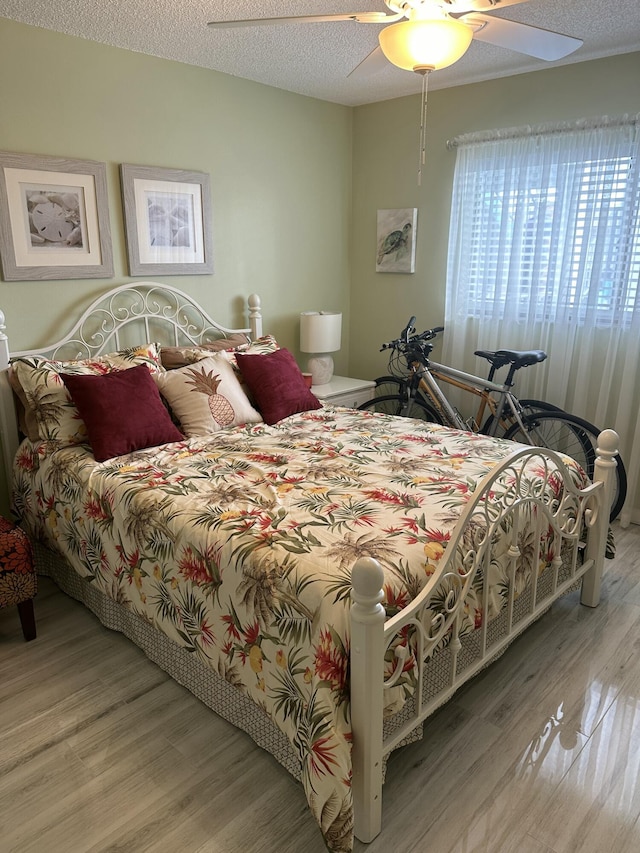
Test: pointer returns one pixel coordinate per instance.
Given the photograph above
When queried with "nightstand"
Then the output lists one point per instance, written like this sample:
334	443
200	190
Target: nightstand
343	391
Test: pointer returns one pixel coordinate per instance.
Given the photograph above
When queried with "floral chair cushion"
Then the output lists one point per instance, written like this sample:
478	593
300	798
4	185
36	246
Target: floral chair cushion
17	576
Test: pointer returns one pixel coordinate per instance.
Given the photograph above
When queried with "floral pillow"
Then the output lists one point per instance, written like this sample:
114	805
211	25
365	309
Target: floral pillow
174	357
26	415
48	400
206	396
261	346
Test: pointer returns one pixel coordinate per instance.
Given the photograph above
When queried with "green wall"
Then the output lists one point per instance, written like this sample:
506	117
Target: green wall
280	167
385	160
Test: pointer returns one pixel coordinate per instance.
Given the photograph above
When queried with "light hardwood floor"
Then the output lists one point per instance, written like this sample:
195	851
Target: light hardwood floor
101	751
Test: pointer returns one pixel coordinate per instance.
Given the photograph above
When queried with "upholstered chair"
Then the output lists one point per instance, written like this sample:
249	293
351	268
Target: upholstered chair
18	584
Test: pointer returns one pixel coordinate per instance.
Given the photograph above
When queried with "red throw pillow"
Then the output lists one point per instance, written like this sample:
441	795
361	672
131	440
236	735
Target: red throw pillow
277	385
122	410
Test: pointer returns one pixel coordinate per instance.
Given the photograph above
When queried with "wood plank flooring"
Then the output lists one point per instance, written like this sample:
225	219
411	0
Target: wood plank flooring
101	751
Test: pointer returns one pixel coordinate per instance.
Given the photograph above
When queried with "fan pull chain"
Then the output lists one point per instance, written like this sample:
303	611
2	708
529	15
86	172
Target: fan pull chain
424	71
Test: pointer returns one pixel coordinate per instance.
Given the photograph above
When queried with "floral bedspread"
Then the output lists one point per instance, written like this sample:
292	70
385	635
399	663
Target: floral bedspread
239	547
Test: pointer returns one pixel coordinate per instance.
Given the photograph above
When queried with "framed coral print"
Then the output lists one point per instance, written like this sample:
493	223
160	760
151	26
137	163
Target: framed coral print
168	220
54	218
396	240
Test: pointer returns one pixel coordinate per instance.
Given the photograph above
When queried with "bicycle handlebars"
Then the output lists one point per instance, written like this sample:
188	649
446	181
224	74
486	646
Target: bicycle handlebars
408	330
407	338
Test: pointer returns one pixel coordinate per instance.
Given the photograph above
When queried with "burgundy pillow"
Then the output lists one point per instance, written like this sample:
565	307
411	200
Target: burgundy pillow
276	383
122	410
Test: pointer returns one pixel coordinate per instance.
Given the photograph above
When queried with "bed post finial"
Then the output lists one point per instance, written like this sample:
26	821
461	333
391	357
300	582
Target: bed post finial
603	471
367	674
255	316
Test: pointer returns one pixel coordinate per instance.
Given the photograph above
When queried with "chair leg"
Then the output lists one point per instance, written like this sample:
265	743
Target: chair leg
27	619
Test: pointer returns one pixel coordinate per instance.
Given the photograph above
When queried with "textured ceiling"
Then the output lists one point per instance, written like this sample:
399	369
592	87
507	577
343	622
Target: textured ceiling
316	58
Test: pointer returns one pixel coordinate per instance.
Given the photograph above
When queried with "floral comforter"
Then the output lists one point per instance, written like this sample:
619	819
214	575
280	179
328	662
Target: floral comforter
239	547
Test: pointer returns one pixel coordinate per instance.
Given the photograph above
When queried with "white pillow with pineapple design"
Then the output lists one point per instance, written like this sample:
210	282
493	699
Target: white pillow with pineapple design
206	396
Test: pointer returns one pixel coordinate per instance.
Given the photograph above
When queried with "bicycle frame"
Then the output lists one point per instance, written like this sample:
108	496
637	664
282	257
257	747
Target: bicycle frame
477	385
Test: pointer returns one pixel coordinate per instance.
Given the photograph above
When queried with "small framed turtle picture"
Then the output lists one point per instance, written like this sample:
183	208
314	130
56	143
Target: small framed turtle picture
54	218
396	240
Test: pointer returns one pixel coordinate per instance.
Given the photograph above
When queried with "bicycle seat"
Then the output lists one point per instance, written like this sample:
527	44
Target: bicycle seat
518	358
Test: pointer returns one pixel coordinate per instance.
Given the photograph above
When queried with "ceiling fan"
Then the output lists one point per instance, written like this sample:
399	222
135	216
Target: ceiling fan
437	33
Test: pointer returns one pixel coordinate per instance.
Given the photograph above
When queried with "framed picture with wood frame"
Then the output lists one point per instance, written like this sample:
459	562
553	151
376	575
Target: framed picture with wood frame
168	220
54	218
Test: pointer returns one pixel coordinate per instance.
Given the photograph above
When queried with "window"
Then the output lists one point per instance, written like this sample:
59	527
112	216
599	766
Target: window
544	253
546	226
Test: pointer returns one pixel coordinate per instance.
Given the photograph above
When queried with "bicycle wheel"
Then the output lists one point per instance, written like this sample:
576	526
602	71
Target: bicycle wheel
396	386
394	404
532	406
574	437
529	407
387	386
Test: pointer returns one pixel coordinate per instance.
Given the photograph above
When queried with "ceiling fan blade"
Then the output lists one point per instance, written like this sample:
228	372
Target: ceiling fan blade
372	63
523	38
358	17
455	7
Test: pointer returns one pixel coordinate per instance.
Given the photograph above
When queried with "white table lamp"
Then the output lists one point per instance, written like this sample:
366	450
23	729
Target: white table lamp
320	334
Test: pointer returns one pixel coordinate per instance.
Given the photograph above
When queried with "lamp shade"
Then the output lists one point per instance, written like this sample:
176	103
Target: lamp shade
429	44
320	331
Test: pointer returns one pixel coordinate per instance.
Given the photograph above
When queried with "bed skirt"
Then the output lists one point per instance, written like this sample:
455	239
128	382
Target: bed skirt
184	668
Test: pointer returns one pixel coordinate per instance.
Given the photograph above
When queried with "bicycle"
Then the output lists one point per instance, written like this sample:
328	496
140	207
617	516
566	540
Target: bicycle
416	394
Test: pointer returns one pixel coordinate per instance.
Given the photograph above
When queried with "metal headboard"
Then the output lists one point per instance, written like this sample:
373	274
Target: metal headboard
128	315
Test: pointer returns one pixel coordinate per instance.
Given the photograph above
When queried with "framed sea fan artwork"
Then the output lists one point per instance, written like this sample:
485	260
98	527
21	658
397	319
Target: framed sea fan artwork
396	240
54	218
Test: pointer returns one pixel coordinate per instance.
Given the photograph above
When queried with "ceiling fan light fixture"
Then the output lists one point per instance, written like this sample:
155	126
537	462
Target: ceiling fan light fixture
420	44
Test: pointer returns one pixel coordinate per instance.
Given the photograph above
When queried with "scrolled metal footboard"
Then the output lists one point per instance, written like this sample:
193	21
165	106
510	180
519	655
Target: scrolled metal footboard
532	486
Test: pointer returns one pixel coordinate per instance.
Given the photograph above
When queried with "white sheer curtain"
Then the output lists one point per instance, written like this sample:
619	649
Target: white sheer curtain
544	253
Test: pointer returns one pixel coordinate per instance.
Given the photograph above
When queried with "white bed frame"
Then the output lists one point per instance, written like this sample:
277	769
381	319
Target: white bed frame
579	520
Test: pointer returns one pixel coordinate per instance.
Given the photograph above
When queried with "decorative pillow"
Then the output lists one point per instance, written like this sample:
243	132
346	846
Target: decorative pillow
277	384
261	346
174	357
48	401
122	411
206	396
27	422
